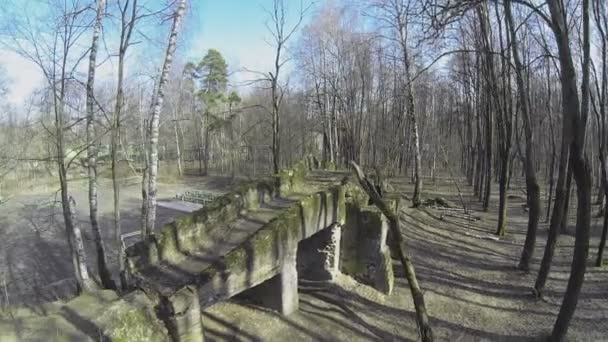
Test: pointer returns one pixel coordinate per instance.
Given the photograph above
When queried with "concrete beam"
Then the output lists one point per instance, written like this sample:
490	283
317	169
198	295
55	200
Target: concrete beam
182	315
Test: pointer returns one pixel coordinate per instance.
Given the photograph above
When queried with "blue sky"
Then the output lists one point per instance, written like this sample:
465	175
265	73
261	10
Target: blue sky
237	29
234	27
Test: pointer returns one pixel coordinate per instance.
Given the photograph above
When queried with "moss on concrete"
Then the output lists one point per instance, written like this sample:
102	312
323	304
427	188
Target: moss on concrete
131	319
168	245
385	278
268	246
355	194
328	165
99	315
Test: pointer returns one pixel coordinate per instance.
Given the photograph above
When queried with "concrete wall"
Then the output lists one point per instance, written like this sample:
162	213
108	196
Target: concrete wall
365	253
261	257
183	235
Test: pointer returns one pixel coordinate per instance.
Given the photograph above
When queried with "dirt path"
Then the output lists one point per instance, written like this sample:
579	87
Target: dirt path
472	289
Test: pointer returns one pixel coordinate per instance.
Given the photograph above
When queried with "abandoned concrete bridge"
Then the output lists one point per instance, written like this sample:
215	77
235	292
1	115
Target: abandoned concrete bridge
257	241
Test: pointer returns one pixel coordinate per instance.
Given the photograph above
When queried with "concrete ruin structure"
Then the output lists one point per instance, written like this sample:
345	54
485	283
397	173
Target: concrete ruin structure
257	241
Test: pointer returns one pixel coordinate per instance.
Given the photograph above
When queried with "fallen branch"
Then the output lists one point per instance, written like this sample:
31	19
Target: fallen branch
467	217
484	237
398	248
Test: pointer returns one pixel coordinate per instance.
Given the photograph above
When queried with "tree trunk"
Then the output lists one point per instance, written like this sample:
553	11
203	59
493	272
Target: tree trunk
502	199
566	214
104	273
576	116
600	250
551	183
276	123
411	112
78	259
557	214
206	143
533	189
154	122
177	149
398	247
488	161
79	255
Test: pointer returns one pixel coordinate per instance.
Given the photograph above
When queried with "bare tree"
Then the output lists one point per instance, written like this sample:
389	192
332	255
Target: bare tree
396	14
104	273
575	111
600	15
281	33
50	46
533	195
422	319
150	213
128	20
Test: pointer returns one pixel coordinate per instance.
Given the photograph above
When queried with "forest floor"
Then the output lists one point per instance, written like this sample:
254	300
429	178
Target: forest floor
473	291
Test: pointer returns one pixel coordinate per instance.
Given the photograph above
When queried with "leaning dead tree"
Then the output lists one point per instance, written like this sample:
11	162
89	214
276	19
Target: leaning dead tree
422	319
150	212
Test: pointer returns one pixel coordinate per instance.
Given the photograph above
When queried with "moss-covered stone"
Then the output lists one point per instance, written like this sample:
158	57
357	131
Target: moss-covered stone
186	233
260	257
131	319
291	179
355	194
168	249
329	165
365	255
384	279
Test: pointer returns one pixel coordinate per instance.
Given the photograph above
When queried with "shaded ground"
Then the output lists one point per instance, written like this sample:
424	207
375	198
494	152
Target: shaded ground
472	290
34	257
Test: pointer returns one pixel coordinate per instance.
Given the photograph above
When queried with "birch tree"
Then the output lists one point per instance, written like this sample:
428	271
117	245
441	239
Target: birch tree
150	212
104	273
50	46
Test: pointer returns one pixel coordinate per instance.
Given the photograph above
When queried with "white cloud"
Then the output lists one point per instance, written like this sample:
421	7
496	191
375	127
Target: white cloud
24	77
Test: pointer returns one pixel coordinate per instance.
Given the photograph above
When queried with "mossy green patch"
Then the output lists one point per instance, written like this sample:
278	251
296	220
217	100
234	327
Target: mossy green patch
355	194
131	319
168	245
281	235
329	165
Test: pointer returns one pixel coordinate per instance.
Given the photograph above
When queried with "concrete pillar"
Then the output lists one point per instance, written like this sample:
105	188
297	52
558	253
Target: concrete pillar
183	316
280	292
332	251
319	255
366	256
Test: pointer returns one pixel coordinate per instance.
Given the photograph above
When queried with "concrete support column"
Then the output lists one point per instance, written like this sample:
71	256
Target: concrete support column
319	255
280	292
183	316
366	256
332	251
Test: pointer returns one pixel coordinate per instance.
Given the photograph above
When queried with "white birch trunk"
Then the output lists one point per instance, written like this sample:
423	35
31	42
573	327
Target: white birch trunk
79	252
104	274
154	122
